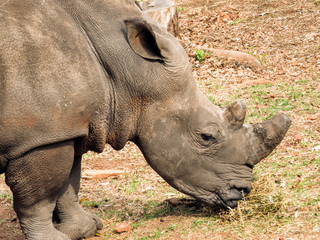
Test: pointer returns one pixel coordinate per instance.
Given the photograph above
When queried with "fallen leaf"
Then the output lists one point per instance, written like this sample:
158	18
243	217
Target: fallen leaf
314	116
297	138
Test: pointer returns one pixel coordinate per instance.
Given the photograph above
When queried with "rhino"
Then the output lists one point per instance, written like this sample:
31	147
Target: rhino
76	75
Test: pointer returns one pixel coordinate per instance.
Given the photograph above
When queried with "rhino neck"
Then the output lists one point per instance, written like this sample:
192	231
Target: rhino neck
102	24
134	82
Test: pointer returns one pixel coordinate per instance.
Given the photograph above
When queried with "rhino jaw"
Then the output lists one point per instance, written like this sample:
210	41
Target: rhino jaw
225	199
266	136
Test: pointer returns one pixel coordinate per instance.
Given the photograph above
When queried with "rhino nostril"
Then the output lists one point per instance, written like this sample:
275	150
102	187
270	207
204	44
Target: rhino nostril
249	165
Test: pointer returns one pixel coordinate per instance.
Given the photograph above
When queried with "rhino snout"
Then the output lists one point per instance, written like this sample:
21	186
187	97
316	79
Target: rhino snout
234	194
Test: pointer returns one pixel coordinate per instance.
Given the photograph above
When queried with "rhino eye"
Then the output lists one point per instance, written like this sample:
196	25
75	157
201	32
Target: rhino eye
208	137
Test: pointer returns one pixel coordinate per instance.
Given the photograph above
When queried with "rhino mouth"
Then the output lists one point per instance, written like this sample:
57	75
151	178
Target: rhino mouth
230	203
228	199
216	199
220	200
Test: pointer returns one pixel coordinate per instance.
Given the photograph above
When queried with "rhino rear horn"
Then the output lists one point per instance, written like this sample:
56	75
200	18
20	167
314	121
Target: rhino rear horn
235	114
145	41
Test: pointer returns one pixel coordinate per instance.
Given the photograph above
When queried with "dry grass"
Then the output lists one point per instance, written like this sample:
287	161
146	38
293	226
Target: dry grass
265	199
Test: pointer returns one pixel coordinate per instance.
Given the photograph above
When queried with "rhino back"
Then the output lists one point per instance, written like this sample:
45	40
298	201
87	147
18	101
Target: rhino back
51	84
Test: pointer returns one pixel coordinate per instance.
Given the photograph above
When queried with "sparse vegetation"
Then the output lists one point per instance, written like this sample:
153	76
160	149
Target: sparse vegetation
200	55
6	197
180	9
236	21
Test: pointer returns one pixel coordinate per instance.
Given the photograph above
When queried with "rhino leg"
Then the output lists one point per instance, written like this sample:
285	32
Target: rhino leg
36	180
69	217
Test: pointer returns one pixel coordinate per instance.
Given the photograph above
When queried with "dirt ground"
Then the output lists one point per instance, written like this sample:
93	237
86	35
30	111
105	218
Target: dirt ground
284	35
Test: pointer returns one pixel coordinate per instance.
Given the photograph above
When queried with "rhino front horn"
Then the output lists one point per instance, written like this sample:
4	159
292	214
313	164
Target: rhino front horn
266	136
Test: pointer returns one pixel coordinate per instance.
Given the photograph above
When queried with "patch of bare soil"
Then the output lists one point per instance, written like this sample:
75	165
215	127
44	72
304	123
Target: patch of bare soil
9	225
284	35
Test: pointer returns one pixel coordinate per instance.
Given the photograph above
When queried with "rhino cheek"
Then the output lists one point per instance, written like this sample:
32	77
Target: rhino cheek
169	153
162	147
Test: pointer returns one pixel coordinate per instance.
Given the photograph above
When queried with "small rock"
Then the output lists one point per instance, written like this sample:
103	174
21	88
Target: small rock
123	227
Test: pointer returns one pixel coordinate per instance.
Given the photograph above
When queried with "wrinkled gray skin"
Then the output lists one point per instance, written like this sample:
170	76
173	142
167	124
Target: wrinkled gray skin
76	75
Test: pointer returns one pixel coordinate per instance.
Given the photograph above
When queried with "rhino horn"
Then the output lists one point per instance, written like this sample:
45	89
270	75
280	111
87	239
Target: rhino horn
235	114
266	136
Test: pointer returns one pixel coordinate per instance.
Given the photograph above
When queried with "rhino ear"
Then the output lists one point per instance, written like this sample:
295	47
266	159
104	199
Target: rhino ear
145	41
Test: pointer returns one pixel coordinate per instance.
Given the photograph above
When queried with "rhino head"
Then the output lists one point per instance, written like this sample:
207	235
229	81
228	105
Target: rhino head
198	148
207	152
